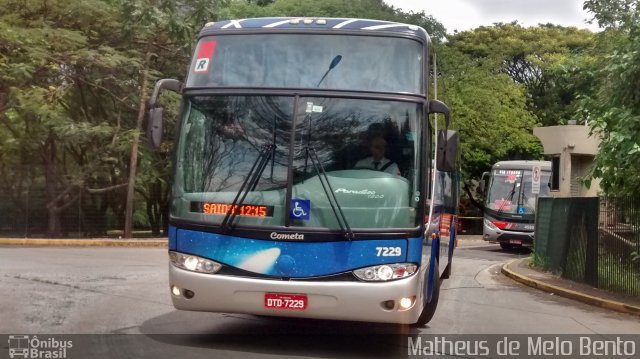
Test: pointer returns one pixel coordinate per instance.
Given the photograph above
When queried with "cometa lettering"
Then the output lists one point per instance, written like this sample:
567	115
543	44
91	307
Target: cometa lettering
295	236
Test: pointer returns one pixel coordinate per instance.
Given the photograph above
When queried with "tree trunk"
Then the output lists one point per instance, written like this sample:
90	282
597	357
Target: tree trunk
133	163
48	154
54	223
154	204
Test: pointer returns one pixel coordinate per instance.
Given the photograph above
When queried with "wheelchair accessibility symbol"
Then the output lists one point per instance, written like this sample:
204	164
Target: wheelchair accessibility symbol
300	209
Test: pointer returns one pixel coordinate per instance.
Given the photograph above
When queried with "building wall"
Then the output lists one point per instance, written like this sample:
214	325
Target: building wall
576	150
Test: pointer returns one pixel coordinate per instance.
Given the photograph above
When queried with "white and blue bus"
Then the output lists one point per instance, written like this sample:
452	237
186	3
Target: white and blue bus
301	178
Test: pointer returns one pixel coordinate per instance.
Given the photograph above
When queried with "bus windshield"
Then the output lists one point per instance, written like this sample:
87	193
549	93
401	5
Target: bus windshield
227	139
363	63
510	191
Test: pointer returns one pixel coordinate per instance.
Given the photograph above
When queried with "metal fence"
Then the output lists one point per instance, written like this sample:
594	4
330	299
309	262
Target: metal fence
24	215
591	240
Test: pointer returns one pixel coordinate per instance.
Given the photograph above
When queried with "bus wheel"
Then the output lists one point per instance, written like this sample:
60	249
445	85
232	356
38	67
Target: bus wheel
447	271
430	308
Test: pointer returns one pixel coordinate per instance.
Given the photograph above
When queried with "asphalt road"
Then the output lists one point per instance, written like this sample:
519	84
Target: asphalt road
52	290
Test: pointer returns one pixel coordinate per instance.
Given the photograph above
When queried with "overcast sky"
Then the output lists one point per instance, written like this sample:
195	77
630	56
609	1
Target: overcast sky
468	14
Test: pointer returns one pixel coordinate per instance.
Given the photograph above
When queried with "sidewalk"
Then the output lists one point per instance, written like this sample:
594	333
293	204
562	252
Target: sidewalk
464	240
85	242
520	271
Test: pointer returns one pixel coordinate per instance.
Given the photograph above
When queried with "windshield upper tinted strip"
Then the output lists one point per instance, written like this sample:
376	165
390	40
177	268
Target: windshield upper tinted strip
371	63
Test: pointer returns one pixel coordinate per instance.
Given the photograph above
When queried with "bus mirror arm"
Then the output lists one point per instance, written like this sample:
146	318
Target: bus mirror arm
437	106
154	126
447	139
164	84
472	199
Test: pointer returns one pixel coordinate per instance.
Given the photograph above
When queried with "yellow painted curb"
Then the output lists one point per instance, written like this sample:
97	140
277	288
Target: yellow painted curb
85	242
568	293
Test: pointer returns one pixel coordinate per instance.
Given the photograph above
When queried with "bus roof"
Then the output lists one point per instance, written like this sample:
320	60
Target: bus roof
311	24
522	165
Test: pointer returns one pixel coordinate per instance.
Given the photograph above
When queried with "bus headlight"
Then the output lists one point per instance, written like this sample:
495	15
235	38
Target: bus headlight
490	224
194	263
386	272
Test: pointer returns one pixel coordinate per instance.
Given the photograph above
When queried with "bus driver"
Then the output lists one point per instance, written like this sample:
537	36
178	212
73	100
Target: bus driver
377	161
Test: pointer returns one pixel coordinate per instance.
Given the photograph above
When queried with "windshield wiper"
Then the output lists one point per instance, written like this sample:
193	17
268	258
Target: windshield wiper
522	196
504	202
322	175
249	183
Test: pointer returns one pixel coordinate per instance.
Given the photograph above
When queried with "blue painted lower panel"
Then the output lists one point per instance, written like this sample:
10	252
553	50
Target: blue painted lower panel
296	259
173	237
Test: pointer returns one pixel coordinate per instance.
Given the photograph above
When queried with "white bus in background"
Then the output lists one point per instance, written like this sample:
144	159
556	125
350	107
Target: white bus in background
511	192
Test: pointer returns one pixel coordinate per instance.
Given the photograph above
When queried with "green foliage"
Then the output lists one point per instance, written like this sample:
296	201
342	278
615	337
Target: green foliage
612	13
545	59
613	107
69	87
489	111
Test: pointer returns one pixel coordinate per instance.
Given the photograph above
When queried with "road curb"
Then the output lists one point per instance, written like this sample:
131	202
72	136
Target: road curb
568	293
85	242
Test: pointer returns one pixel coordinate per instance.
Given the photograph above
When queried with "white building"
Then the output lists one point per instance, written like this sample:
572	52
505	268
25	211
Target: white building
571	150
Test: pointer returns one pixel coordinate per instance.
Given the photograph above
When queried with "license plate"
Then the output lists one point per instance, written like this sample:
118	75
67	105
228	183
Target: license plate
515	241
285	301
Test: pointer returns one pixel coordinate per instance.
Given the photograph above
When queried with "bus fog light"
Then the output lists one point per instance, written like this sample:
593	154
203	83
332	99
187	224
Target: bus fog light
406	303
175	290
188	294
386	272
389	304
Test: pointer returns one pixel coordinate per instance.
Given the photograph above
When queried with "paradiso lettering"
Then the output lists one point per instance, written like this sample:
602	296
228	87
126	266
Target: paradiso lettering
364	192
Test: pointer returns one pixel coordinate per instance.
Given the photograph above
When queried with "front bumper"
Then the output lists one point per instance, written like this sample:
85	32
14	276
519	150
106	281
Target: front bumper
355	301
503	236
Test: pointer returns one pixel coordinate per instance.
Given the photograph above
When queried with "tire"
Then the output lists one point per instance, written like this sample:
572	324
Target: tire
447	272
430	308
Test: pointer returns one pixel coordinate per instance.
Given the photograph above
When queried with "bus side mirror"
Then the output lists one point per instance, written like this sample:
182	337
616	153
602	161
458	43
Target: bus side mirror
447	151
483	182
436	106
154	126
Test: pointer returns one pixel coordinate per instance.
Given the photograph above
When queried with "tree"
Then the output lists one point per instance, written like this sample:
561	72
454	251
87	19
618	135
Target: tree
489	111
161	34
613	108
544	59
59	96
612	13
